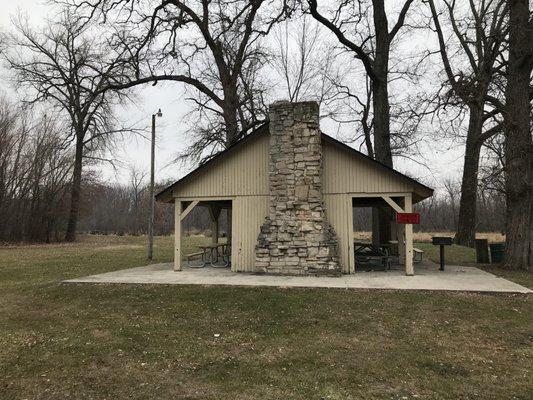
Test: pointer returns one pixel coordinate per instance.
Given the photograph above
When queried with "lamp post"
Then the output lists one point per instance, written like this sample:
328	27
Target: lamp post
152	211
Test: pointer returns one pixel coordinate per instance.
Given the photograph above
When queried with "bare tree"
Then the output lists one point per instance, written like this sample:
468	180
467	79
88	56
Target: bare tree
115	208
492	166
137	189
478	34
373	49
451	191
304	61
68	66
212	46
518	142
375	57
357	109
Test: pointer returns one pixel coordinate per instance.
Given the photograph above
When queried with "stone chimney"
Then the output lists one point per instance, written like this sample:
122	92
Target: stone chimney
296	238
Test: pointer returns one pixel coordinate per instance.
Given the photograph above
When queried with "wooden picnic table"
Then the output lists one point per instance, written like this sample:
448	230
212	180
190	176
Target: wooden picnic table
366	248
365	252
211	251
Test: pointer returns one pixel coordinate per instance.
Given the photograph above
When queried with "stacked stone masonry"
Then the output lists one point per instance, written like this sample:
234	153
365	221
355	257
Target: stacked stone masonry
296	238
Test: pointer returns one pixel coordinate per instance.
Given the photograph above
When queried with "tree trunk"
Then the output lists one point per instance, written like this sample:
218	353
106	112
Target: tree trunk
230	111
380	99
75	192
382	138
466	226
381	106
232	127
518	142
382	145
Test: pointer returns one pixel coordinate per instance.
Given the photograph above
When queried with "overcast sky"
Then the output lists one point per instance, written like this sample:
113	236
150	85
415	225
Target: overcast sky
444	162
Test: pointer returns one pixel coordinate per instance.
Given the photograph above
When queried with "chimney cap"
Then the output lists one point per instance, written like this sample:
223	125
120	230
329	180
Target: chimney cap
279	103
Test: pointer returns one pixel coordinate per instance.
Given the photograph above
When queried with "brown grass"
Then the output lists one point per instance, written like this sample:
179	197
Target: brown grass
425	237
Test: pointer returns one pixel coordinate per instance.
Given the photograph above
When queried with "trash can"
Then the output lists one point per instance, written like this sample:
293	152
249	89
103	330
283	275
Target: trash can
482	251
497	253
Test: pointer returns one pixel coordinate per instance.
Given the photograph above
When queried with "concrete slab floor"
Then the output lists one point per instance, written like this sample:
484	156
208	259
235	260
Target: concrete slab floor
427	277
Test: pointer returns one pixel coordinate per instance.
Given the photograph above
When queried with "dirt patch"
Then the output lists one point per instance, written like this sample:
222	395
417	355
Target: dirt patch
121	247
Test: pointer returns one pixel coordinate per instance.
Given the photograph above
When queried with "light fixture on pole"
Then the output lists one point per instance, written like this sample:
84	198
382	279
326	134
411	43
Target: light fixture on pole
152	205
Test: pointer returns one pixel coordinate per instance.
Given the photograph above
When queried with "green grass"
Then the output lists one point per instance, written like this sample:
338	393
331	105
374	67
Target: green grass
83	341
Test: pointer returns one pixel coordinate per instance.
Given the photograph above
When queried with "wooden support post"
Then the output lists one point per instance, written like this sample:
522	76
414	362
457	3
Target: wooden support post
351	255
214	213
376	240
229	215
401	236
409	269
401	244
214	234
177	235
394	236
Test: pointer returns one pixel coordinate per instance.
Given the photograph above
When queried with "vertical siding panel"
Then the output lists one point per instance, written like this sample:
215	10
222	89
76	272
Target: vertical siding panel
345	173
237	235
337	212
249	214
245	228
242	173
237	238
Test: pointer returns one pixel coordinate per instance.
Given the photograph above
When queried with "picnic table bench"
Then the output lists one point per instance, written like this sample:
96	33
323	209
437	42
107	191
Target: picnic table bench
417	254
197	254
392	246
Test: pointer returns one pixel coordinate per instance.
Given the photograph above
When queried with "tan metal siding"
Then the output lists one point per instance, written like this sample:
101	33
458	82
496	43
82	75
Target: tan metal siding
345	173
243	172
249	212
337	211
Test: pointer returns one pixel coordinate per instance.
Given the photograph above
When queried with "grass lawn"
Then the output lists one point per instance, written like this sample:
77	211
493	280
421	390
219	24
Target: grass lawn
87	341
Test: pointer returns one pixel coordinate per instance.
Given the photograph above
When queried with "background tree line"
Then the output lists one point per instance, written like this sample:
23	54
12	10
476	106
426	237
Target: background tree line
35	178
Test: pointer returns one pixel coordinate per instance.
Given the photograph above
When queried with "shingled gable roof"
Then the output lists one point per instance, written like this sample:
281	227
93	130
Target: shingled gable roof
263	129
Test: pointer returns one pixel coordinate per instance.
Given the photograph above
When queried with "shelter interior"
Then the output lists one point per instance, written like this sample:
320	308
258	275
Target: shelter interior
217	253
391	248
383	250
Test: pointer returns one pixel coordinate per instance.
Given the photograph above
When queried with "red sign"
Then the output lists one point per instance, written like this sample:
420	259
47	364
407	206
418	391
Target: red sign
408	218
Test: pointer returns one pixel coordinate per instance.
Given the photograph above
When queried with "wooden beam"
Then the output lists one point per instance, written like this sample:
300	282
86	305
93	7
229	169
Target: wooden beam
393	204
409	269
188	209
349	221
177	235
377	194
401	243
